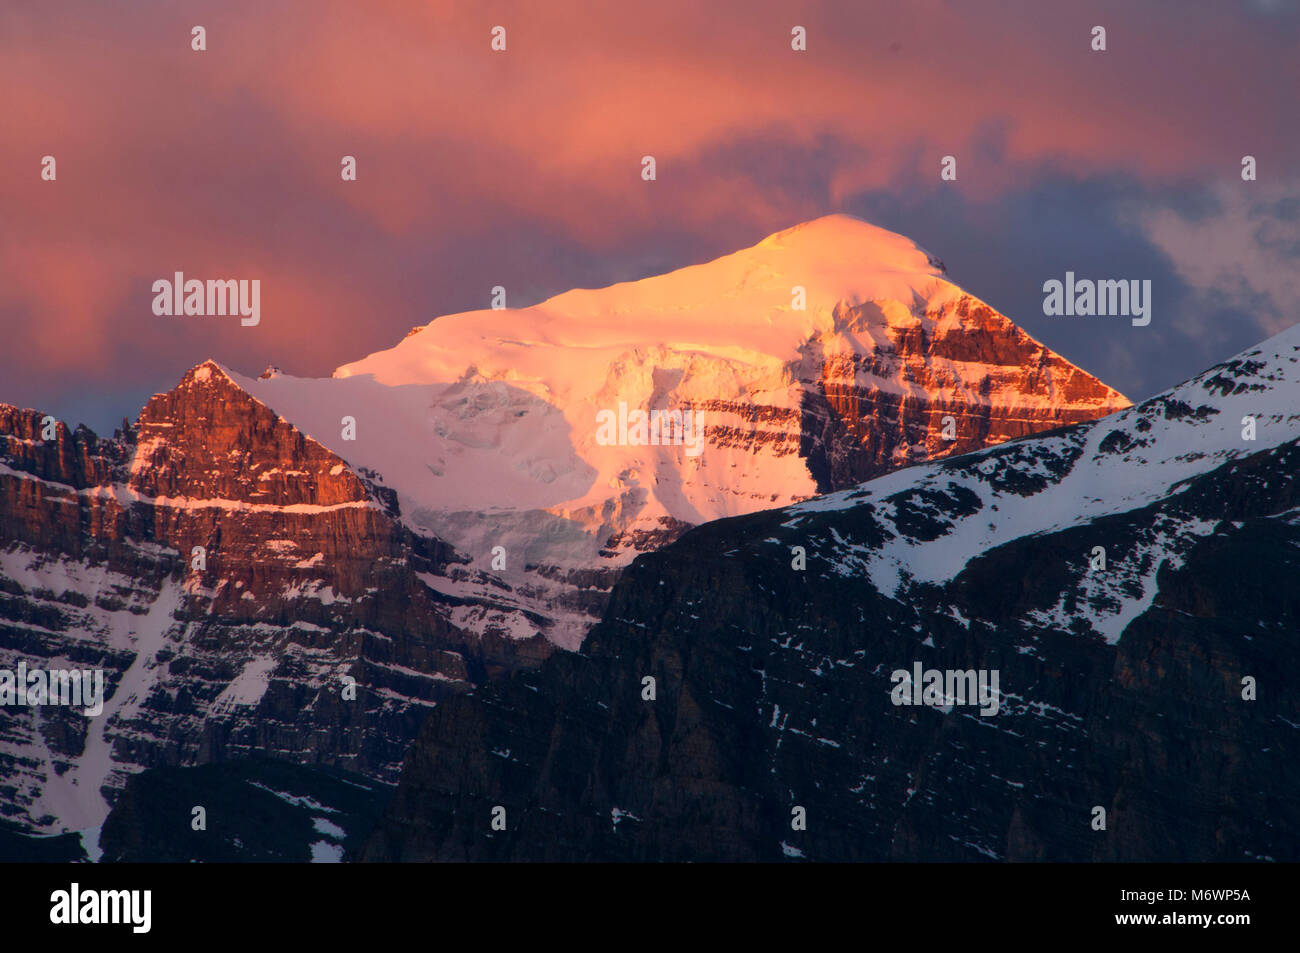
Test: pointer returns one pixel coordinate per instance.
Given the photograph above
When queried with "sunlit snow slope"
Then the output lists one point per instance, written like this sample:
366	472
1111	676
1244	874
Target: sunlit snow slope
485	423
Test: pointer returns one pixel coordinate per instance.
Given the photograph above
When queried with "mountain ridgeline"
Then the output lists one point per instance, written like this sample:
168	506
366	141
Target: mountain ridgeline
1131	581
302	569
228	575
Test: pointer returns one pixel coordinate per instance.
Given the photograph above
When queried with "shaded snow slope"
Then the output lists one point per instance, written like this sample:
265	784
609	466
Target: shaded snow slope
933	520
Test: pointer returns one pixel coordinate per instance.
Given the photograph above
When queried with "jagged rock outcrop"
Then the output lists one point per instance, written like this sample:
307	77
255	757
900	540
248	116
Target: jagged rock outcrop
226	572
852	428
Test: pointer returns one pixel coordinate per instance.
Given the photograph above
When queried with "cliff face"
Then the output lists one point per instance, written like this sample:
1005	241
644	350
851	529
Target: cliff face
1130	581
227	572
962	360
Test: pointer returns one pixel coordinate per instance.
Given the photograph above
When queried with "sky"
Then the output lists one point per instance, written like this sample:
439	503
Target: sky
478	168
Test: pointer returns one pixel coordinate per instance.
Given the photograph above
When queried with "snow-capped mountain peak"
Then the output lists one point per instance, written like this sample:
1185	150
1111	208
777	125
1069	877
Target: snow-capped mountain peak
824	355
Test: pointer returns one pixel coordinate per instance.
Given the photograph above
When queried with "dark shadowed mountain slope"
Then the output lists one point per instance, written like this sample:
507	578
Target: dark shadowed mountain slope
1124	684
255	810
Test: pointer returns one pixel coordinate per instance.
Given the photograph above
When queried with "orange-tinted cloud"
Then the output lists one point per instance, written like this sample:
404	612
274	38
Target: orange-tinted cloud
522	168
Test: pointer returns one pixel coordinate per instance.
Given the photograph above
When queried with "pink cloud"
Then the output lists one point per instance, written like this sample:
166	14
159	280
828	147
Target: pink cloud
226	162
